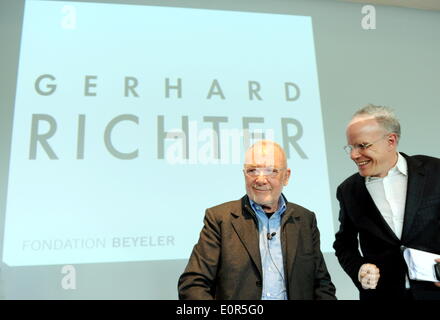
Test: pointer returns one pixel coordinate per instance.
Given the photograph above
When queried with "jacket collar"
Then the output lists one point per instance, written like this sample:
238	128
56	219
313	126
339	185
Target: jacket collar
414	193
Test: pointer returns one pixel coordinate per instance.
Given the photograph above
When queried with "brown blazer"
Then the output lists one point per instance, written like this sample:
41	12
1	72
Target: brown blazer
226	263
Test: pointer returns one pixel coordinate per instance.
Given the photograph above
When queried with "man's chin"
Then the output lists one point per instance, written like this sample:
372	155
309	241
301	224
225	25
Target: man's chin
362	174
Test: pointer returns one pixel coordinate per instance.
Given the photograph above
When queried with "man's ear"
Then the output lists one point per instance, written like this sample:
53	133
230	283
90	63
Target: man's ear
287	177
392	140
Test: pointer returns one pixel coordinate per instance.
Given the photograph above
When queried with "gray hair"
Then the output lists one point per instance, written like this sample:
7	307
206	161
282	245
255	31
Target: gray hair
383	115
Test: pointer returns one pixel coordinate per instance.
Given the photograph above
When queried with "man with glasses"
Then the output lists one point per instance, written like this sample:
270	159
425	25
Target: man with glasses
261	246
392	202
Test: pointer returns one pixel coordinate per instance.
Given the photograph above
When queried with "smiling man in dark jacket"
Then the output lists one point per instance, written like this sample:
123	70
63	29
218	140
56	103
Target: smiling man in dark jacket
392	202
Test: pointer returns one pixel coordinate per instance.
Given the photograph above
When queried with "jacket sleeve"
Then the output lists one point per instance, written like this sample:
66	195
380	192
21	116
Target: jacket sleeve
346	244
323	286
198	280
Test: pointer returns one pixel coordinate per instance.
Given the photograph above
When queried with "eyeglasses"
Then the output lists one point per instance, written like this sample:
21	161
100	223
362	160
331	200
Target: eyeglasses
267	172
361	146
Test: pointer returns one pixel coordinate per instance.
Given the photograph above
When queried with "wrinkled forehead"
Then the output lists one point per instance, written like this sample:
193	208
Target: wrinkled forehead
265	155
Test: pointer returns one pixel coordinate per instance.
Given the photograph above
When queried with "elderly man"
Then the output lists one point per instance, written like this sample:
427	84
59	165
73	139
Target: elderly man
261	246
392	202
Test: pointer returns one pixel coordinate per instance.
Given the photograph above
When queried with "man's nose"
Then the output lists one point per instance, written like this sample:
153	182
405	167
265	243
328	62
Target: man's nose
354	154
261	178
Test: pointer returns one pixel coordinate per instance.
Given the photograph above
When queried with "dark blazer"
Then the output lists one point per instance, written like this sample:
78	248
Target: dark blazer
226	263
359	216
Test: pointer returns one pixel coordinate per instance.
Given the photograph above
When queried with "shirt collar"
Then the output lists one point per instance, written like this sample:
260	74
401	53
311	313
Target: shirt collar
401	167
281	206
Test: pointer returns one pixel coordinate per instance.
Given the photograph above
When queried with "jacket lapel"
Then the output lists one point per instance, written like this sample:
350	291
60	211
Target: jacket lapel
290	232
246	227
369	216
416	182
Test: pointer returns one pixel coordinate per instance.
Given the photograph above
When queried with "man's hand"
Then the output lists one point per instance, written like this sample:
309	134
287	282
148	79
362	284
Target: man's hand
369	275
437	283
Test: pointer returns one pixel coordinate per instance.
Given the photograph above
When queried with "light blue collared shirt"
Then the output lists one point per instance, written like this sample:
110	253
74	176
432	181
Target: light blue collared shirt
274	285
